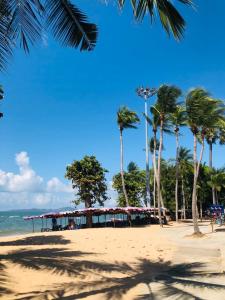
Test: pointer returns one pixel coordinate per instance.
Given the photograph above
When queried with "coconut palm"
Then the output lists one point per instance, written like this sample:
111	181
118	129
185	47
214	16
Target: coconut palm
166	104
125	119
178	119
203	113
154	122
25	21
185	165
217	182
214	134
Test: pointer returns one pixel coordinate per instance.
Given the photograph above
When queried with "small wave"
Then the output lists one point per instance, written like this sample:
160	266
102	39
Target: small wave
14	216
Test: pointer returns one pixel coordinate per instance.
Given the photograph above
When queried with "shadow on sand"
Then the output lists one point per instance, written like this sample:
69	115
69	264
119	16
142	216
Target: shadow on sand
173	279
38	240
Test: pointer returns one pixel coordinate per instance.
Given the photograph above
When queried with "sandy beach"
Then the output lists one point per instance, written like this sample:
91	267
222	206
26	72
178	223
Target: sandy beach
114	263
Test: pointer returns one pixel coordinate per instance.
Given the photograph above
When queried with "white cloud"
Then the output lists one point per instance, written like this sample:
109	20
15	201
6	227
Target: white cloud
27	189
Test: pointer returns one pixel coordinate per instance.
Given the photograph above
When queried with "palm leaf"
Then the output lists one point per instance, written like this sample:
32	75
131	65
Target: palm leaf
25	24
170	17
5	42
70	26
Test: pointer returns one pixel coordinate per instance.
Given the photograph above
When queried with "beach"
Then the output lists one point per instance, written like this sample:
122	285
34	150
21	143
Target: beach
115	263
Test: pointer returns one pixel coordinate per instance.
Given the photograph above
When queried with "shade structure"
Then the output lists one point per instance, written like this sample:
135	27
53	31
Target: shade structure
93	211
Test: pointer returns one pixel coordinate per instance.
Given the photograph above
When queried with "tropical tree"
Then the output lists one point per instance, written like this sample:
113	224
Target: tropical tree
135	186
88	180
217	182
178	119
25	21
166	104
203	114
125	119
185	168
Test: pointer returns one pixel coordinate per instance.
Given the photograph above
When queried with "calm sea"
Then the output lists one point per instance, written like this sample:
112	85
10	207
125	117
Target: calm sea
12	223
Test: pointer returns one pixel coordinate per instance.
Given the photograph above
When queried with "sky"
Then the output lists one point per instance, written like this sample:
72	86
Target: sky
60	104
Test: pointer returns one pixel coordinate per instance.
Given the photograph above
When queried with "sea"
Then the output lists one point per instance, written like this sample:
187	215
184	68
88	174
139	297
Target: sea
12	222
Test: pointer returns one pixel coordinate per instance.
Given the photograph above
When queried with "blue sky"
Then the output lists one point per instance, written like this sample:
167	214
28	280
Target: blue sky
61	104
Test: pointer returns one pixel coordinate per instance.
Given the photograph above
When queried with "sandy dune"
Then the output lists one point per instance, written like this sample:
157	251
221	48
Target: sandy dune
114	263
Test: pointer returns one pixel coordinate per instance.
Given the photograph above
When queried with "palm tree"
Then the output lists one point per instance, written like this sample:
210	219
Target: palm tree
214	134
217	182
185	164
178	119
26	20
154	122
125	119
203	114
166	104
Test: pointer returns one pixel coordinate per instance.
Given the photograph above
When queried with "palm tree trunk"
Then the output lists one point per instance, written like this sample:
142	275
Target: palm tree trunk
177	172
121	168
154	194
184	200
211	166
194	198
154	169
159	171
196	173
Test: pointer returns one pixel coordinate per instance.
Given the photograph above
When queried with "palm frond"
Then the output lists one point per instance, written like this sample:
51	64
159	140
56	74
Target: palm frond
25	22
170	18
70	26
5	42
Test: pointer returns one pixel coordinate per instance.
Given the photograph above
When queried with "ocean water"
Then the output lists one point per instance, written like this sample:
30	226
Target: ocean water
12	222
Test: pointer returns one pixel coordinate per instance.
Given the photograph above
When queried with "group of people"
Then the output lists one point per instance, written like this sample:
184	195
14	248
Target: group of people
70	226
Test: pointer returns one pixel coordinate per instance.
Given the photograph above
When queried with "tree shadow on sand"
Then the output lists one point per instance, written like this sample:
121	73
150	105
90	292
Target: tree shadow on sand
3	280
174	280
38	240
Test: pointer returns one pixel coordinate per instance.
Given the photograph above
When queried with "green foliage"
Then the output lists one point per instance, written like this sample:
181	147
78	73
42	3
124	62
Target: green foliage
166	99
88	180
126	118
170	17
135	186
25	21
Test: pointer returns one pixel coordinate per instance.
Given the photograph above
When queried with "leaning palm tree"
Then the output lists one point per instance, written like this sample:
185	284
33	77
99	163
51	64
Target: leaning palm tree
178	119
27	21
203	114
125	119
166	104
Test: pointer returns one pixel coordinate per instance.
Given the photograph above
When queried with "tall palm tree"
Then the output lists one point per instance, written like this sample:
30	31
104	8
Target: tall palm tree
217	182
214	134
185	165
125	119
178	119
166	104
25	21
154	122
203	114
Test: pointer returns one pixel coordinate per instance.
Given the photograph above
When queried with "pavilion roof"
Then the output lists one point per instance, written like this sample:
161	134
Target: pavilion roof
92	211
